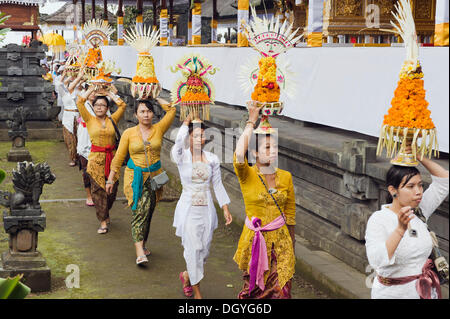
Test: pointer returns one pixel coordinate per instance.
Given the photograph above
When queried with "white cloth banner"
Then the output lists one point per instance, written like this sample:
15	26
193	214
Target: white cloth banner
196	24
119	31
164	27
442	8
213	35
170	34
242	15
344	87
315	16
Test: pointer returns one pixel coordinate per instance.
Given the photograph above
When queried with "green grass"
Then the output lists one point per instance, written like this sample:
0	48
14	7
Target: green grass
39	151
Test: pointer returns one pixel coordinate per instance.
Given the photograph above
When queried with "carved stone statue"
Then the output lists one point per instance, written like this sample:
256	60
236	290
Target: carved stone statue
18	133
28	181
22	222
18	121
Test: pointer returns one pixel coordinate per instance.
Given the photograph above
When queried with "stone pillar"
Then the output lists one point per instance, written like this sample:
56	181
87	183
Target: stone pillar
120	39
105	10
22	222
75	22
83	20
93	10
197	23
18	133
105	18
139	17
155	16
170	22
214	23
189	36
163	24
243	17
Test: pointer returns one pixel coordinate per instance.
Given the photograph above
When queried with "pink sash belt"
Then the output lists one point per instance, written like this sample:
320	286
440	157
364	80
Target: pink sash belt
426	280
259	262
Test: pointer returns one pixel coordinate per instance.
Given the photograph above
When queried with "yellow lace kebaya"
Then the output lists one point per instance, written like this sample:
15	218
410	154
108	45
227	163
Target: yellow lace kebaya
259	203
100	136
131	142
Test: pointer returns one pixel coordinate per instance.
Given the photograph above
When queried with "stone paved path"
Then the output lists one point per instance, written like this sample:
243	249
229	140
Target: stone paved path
107	262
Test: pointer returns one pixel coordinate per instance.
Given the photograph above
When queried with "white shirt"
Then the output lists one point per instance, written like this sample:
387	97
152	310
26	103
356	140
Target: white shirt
59	90
70	108
83	139
411	253
183	158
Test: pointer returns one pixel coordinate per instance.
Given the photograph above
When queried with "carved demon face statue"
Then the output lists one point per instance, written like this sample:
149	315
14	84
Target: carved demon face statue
47	177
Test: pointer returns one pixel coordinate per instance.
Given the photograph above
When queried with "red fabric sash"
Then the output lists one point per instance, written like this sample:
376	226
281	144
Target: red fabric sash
108	149
80	121
426	280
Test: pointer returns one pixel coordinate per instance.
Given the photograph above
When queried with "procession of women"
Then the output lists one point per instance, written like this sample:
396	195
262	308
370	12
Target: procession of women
399	245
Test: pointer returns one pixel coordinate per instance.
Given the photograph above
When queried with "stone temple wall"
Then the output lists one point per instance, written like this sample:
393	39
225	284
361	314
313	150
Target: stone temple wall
23	85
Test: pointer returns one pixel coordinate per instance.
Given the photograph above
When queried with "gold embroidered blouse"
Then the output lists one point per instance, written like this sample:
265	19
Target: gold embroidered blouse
131	142
100	136
259	203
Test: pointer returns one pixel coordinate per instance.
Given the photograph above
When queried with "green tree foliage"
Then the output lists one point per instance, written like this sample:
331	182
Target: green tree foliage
130	14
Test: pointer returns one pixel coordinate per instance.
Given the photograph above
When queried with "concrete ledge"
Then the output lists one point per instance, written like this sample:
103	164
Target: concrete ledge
332	275
329	273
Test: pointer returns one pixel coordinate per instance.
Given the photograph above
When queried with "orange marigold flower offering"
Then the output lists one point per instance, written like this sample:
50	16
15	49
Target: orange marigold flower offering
408	119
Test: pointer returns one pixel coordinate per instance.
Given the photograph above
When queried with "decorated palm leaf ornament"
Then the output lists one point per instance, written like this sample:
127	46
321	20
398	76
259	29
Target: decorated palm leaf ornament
103	78
76	56
97	33
143	39
194	92
408	119
268	74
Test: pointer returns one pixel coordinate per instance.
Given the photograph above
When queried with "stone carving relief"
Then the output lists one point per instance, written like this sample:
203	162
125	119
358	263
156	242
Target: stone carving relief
386	6
423	9
348	8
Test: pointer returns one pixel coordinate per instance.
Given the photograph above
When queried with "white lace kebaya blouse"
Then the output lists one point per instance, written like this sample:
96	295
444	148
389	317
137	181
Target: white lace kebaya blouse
411	253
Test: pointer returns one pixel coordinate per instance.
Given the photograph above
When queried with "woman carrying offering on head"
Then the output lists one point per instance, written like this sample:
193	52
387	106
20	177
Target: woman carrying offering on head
195	216
265	251
398	243
103	139
143	143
